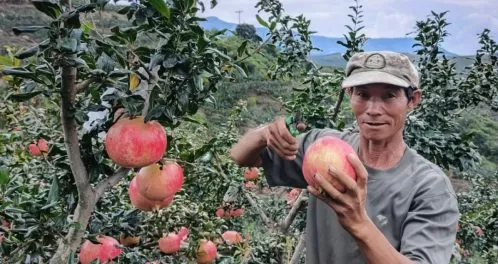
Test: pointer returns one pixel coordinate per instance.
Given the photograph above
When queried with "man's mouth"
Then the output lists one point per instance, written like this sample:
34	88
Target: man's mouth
375	124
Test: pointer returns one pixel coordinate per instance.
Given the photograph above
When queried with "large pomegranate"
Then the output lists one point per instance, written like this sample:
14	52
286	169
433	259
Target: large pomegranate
156	183
206	252
324	152
142	203
132	143
107	249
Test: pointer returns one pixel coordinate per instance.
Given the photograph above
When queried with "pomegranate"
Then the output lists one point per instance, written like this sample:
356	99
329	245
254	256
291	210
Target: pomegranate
142	203
251	174
250	185
132	143
38	148
206	252
170	243
232	237
155	183
183	233
220	212
321	154
292	196
301	127
107	249
237	212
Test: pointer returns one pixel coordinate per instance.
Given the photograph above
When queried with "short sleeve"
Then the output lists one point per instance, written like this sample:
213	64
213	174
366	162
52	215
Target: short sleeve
281	172
430	229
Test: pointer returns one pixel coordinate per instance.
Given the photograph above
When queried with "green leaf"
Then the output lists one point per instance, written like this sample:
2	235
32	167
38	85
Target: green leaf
53	194
27	29
18	73
69	45
242	48
262	22
27	53
240	70
105	63
47	7
20	97
161	7
4	175
199	85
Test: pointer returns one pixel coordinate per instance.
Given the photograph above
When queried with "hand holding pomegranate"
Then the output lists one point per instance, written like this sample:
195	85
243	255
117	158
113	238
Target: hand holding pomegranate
280	140
349	204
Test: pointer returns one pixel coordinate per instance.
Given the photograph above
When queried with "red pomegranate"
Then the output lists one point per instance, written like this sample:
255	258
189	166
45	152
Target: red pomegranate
156	183
324	152
133	143
142	203
170	243
206	252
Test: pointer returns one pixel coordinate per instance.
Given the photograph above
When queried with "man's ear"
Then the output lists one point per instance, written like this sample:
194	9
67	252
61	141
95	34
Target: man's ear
417	97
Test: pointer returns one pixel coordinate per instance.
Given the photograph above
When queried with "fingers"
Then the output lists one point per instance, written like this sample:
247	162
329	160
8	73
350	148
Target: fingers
281	141
361	171
329	189
342	178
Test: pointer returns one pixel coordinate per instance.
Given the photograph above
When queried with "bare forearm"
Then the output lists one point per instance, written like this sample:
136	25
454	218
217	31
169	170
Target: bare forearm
246	151
376	248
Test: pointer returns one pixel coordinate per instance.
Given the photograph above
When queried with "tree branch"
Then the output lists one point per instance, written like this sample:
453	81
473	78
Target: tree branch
111	181
68	95
84	85
284	226
265	218
299	249
338	105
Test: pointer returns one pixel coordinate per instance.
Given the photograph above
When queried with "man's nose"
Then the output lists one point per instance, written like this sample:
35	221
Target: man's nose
374	107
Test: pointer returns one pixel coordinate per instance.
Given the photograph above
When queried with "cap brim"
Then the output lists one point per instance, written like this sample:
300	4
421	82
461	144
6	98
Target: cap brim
368	77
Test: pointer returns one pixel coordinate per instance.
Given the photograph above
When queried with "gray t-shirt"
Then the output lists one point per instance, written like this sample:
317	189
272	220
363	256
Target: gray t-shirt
413	204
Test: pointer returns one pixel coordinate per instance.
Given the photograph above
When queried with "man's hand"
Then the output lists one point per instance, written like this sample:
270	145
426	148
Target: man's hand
280	140
350	205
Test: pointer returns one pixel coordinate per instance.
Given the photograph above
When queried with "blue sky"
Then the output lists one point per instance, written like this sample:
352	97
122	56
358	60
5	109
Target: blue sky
382	18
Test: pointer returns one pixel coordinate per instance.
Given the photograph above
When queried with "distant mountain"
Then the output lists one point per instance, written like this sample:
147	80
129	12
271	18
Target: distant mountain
328	45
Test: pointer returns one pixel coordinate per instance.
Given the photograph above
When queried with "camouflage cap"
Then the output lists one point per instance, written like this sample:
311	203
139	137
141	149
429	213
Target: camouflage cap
381	67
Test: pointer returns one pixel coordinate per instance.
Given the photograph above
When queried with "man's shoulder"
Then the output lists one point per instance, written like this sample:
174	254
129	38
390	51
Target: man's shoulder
432	180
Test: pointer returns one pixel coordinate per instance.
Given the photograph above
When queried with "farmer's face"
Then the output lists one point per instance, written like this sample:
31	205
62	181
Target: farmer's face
381	110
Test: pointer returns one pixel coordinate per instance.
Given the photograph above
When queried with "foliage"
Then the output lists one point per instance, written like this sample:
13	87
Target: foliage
247	31
432	127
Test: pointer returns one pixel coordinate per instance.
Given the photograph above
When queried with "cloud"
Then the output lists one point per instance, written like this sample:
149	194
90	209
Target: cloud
474	3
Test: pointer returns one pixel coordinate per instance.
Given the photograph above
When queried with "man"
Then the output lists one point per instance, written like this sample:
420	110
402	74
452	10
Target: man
410	212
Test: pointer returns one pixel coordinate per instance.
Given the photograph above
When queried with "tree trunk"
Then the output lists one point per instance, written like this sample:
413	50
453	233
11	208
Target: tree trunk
86	195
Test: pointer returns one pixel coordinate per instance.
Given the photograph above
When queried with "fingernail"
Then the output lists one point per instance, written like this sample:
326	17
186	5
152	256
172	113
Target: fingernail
332	170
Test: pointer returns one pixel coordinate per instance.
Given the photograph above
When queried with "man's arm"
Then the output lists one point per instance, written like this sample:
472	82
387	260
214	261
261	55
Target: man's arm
275	135
376	248
247	151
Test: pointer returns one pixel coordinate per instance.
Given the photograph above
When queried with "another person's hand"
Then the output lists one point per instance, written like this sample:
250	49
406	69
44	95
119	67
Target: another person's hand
280	140
349	205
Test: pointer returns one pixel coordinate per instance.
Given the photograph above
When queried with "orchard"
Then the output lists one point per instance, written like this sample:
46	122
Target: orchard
105	156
